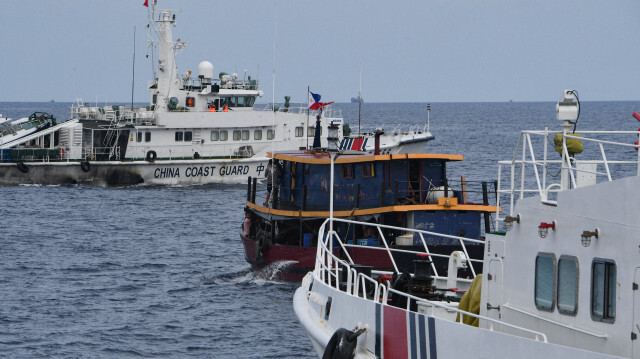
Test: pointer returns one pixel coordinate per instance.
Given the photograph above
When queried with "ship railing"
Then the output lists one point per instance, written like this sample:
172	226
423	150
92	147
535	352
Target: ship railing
398	129
328	112
330	269
537	168
333	239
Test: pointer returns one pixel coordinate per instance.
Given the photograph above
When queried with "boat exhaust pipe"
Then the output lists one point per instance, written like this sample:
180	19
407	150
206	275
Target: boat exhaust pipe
379	133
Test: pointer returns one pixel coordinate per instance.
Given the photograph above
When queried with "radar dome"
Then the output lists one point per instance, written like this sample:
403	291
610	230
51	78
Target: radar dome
205	70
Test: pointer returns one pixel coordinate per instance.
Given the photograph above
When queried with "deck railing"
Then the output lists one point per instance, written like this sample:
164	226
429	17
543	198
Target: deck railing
537	168
329	267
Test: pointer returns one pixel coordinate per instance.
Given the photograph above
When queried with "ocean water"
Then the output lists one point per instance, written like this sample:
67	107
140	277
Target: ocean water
160	272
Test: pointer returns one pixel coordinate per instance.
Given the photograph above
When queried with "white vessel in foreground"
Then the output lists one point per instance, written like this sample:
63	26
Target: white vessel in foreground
563	282
198	128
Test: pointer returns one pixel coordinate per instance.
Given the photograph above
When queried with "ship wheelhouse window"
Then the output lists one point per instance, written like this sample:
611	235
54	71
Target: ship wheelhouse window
299	131
346	170
245	135
179	136
188	135
603	290
257	135
368	170
224	135
236	135
139	137
545	281
568	285
270	134
147	136
311	131
215	135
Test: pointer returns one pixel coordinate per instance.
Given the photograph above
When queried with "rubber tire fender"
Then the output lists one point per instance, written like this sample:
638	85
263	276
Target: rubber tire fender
22	167
151	156
342	345
85	166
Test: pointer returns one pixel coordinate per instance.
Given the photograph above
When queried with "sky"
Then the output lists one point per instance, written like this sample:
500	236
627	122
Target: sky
395	51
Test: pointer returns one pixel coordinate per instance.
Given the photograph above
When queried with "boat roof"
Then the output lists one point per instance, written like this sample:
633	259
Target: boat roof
317	157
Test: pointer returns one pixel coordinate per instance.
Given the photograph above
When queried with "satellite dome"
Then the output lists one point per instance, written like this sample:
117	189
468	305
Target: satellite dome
205	70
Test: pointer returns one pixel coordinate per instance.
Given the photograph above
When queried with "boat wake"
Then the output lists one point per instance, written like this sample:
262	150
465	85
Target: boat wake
272	272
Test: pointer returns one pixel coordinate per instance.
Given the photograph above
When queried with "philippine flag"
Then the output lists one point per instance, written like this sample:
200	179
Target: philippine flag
314	101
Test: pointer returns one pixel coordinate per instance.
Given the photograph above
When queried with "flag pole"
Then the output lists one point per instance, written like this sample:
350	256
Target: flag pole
307	131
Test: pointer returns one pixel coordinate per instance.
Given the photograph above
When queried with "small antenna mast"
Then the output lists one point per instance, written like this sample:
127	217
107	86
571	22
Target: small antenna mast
133	77
360	101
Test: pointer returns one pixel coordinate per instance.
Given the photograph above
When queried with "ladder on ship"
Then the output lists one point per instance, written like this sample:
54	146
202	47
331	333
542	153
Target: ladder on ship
110	140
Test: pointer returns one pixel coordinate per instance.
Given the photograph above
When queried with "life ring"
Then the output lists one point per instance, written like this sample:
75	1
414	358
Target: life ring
151	156
342	344
85	166
22	167
60	152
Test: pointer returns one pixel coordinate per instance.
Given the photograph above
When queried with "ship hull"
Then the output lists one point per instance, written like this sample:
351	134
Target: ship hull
116	173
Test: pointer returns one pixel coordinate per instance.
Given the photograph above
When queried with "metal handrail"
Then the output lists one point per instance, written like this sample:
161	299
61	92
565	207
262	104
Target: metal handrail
547	181
327	272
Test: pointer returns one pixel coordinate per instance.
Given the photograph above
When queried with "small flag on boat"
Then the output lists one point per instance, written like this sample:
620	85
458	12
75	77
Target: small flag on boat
146	3
314	101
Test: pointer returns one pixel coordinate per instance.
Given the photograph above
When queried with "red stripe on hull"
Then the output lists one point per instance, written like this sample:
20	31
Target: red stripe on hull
394	338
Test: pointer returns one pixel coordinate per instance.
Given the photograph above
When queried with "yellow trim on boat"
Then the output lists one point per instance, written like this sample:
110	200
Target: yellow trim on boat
323	158
369	211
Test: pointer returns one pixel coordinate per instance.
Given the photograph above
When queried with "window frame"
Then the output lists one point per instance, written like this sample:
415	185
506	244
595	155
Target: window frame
179	136
606	316
237	135
217	135
347	174
371	167
224	135
246	135
299	131
188	136
576	289
271	134
257	135
147	136
139	136
553	284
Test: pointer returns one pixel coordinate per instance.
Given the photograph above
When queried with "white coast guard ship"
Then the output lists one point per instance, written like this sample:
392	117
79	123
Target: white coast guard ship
562	282
196	129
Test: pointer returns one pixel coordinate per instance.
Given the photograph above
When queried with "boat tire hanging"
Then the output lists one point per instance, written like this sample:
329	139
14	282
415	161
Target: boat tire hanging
85	166
342	344
22	167
151	156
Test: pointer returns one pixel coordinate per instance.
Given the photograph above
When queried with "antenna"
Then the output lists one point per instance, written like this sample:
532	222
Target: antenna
133	76
428	116
360	101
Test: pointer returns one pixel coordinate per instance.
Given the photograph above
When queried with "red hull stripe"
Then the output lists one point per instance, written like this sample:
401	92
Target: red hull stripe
394	342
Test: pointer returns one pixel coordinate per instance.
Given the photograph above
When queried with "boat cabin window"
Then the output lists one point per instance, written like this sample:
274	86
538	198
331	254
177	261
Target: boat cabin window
238	101
545	281
368	170
147	136
346	170
215	135
257	135
568	285
603	290
311	131
224	135
299	131
245	135
236	135
179	136
139	137
188	135
270	135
